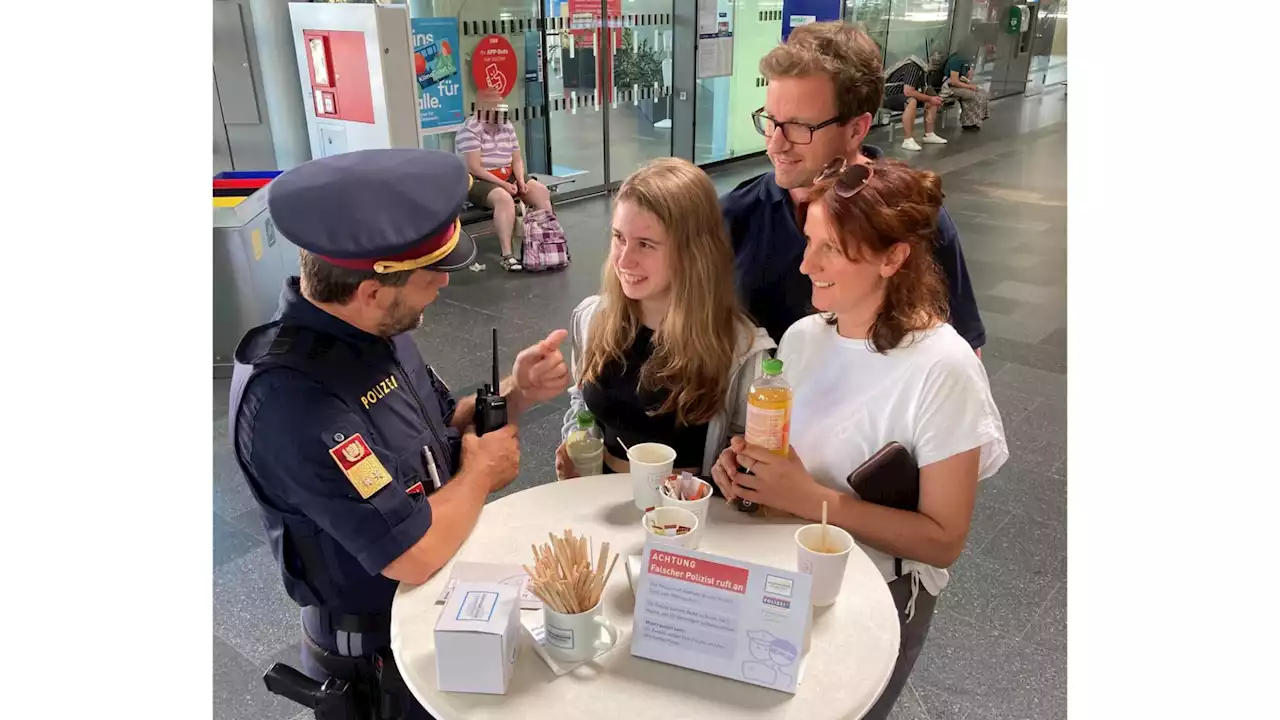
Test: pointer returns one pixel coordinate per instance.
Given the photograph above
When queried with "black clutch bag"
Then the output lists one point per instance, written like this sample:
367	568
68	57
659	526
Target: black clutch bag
890	478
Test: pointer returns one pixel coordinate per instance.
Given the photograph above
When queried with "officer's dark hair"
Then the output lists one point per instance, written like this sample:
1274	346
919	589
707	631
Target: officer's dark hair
326	283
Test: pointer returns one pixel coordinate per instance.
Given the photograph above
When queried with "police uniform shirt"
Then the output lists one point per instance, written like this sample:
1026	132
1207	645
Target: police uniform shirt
339	433
768	246
341	465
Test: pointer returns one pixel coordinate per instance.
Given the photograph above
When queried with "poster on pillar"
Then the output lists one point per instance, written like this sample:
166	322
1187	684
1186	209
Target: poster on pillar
802	12
438	73
494	66
715	39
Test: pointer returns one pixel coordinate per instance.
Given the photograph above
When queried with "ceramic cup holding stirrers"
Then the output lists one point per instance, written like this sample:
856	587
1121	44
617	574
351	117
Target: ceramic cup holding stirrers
692	494
571	586
822	551
650	464
670	526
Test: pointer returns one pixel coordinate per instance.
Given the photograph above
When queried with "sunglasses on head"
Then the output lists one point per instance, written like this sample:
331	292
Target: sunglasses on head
850	178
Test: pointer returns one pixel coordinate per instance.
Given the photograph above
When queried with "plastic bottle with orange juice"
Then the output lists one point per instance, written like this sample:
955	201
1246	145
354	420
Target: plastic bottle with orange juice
768	415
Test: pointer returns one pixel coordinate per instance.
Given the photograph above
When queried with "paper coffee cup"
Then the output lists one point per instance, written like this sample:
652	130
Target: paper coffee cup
826	563
650	464
699	508
664	516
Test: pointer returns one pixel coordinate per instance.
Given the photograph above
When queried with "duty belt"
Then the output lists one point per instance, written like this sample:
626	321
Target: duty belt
359	624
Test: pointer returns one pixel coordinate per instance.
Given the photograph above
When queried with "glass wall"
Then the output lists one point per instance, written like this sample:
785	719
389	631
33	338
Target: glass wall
918	28
1057	71
1012	63
591	91
874	16
591	99
728	92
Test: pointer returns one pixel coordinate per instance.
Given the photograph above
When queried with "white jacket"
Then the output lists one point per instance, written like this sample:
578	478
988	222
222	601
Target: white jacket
753	349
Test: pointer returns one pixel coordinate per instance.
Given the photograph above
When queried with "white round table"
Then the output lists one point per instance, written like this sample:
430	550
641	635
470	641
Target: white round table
852	650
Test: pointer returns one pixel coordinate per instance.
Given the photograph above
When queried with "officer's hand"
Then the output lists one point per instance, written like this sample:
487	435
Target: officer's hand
495	456
540	371
565	468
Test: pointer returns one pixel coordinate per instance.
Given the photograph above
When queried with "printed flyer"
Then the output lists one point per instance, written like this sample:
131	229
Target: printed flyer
437	67
729	618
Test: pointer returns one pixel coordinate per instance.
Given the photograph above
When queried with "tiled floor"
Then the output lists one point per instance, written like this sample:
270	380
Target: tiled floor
998	645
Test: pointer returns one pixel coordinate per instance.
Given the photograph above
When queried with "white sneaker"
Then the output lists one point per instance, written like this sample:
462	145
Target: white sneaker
933	139
911	144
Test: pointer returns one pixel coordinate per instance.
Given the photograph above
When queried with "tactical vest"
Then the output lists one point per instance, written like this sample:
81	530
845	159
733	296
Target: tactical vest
399	398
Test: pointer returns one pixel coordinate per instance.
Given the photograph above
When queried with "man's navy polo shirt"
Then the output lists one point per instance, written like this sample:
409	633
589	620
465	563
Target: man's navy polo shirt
768	246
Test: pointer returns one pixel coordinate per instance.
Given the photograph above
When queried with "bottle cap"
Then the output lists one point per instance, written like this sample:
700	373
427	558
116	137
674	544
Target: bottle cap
585	418
772	366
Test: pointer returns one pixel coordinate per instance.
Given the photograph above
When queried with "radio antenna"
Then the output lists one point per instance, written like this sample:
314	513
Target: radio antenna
496	380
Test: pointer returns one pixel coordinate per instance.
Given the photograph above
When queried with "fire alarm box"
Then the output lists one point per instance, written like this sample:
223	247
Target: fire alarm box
339	71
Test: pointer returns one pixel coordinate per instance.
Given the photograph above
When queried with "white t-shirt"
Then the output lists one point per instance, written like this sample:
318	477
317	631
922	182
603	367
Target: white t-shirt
931	394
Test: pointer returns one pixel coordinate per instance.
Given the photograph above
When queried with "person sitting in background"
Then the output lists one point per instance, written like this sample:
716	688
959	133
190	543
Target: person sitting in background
904	91
664	353
879	364
488	145
958	74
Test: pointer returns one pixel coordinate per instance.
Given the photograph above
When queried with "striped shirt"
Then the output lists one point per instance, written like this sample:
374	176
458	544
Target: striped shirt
908	72
496	148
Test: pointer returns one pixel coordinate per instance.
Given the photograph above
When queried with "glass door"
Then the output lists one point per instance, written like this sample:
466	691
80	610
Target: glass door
587	83
575	50
500	49
1042	44
638	63
1057	72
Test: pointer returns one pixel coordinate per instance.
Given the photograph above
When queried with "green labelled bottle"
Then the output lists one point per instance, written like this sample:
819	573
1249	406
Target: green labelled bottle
585	445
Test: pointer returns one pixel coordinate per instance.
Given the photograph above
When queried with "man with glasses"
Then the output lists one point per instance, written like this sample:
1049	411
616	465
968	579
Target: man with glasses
825	85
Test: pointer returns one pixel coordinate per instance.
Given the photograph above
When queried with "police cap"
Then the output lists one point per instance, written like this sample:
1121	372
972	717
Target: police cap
382	210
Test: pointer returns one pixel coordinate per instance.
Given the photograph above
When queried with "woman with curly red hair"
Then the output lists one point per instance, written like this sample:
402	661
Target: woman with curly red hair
877	365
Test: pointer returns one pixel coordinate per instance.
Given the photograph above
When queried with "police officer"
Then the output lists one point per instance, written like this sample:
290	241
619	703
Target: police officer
367	472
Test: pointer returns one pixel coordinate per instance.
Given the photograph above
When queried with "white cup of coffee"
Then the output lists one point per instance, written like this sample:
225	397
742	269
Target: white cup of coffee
699	508
576	638
825	558
650	464
670	526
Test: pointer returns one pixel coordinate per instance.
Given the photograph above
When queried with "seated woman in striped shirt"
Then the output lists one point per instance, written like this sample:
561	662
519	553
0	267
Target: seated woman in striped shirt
487	143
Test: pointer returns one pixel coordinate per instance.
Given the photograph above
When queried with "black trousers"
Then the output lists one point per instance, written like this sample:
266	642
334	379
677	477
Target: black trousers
322	636
913	635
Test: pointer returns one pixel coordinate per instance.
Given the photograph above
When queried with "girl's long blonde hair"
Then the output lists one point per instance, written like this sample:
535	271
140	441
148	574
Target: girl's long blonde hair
694	348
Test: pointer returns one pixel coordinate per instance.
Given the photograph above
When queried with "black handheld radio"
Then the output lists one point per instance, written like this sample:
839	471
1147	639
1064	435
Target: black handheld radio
491	407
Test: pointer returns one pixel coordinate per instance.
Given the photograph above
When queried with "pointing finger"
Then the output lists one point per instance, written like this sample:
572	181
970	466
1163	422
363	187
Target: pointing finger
554	339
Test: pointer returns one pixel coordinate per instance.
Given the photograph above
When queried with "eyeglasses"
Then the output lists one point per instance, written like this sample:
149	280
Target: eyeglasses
796	133
850	178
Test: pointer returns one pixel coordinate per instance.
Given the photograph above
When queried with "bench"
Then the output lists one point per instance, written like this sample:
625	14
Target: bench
472	214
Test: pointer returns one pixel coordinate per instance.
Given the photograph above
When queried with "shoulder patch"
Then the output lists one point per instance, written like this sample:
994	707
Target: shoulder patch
363	469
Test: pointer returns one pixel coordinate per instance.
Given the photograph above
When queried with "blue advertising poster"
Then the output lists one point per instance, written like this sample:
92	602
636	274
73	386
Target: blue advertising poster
800	12
438	66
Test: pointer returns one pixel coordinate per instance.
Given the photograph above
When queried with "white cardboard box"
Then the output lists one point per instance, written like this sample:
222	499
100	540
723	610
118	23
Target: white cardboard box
478	638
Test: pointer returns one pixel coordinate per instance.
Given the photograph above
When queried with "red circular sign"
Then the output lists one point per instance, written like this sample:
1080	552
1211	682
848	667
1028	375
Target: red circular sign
493	65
